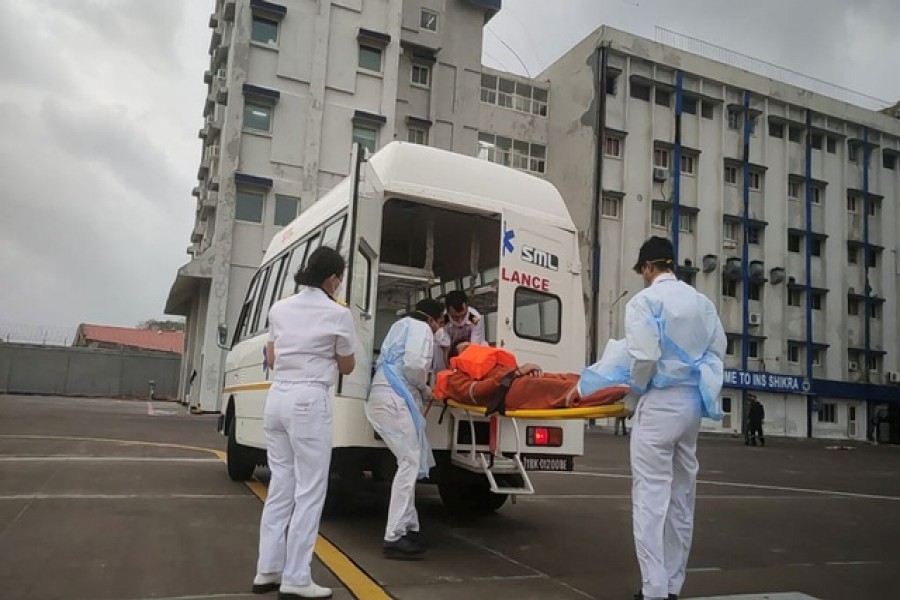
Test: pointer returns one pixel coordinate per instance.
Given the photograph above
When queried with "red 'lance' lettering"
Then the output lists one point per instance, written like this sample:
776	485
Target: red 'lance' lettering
526	280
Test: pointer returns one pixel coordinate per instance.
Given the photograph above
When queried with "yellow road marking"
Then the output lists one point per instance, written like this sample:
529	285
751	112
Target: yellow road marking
357	581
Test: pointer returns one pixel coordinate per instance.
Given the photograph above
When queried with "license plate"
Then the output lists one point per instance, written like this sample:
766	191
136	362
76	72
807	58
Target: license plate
548	463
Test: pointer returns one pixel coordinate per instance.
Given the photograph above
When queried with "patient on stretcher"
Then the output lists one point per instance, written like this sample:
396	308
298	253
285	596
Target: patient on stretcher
491	377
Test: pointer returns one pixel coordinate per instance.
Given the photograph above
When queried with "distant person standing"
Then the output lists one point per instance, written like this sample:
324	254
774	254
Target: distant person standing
756	414
311	339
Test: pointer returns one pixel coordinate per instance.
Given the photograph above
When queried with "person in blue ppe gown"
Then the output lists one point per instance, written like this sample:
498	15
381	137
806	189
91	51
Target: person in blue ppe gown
312	338
394	408
675	344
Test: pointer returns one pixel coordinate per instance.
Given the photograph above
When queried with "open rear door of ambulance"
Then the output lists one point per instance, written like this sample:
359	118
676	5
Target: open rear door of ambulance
365	214
537	291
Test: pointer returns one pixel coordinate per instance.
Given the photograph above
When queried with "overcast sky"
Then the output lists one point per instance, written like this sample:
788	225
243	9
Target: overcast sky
102	100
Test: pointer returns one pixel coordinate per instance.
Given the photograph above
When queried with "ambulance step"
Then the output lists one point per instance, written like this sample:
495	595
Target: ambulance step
503	481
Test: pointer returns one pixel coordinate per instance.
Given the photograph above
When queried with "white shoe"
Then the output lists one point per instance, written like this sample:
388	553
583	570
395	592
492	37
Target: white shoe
289	592
264	583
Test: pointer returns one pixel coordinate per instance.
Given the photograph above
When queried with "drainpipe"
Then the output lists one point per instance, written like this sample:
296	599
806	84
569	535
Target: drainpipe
676	184
867	155
809	323
600	94
745	259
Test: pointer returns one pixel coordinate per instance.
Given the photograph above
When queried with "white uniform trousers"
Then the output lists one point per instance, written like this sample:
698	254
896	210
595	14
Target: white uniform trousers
389	416
297	422
664	470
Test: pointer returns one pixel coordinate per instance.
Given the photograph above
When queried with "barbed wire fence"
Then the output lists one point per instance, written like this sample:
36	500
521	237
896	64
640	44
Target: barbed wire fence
44	335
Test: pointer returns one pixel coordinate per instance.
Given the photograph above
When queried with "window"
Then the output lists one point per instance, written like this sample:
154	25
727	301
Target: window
706	109
753	126
734	119
753	235
507	93
370	58
755	291
419	75
488	89
753	349
506	90
831	145
256	309
816	249
361	286
258	116
428	20
851	204
817	195
639	91
852	256
889	161
613	147
537	316
795	297
539	101
828	413
794	190
610	207
873	208
852	153
273	287
872	363
612	83
332	237
793	242
686	223
285	209
243	325
659	217
793	353
731	231
817	301
731	175
365	136
755	180
661	158
298	255
853	307
522	99
417	136
817	357
776	130
816	141
876	311
264	31
729	347
872	257
663	98
248	206
687	164
794	134
689	105
729	288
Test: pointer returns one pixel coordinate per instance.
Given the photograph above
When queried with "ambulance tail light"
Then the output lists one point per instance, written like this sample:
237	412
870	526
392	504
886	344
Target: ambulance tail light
544	436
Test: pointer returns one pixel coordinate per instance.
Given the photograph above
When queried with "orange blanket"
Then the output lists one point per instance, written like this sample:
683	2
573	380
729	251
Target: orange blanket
550	390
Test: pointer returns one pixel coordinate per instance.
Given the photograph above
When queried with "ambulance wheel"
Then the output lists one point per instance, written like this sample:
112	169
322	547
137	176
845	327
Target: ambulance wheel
464	492
240	460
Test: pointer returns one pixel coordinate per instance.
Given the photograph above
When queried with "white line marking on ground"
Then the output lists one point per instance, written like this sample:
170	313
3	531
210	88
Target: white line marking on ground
704	569
753	486
853	562
147	459
150	410
773	596
43	496
628	497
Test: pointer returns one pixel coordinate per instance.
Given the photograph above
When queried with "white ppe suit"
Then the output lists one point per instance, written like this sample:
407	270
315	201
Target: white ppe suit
675	342
394	408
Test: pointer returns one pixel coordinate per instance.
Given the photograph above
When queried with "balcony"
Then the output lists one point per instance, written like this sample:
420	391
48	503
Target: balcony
228	10
208	203
213	21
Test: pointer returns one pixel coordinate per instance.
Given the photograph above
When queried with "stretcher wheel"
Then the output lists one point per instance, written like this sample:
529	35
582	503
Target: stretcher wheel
240	460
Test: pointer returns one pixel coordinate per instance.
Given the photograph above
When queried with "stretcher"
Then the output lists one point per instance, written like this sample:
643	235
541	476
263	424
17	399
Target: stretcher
498	466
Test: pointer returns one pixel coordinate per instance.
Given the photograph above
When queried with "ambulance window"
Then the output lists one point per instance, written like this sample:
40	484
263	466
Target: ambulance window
270	297
242	328
361	292
297	257
537	316
258	305
332	235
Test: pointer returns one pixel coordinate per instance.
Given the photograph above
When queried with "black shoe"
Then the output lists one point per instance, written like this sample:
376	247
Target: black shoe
417	538
640	596
403	549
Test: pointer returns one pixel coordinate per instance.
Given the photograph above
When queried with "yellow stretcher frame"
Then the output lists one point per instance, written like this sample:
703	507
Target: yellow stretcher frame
617	409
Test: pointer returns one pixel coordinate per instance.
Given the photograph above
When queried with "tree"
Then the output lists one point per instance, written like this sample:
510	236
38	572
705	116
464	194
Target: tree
157	325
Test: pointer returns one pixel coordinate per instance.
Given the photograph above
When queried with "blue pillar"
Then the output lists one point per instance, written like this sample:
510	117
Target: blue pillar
867	156
676	167
809	322
745	245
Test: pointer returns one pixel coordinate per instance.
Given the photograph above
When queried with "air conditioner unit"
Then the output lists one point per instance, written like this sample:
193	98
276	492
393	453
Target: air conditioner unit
893	377
853	366
221	77
729	244
755	319
851	290
213	152
210	120
660	174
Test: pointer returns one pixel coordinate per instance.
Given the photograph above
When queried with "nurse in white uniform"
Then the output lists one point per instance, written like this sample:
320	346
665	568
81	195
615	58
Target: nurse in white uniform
394	408
311	339
675	342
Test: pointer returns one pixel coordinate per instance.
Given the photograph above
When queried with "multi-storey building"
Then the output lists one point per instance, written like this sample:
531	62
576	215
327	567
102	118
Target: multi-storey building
782	204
